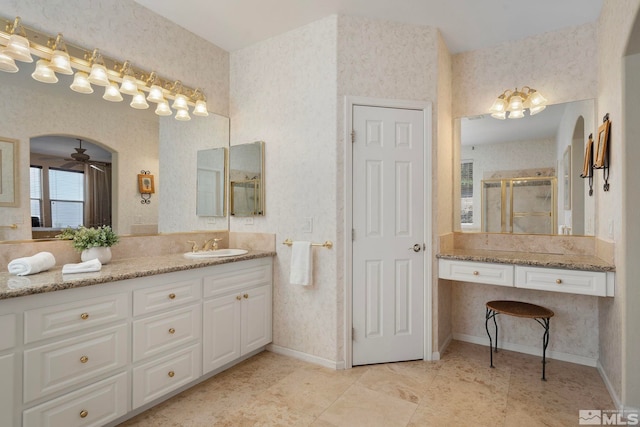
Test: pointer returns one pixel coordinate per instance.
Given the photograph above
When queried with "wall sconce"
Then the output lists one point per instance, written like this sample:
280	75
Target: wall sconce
19	43
516	102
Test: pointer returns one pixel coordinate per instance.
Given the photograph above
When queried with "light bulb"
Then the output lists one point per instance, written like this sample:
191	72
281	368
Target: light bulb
43	73
138	102
60	62
129	85
499	105
7	63
18	48
200	109
183	115
500	116
163	109
111	93
180	103
155	94
81	83
516	114
98	75
535	110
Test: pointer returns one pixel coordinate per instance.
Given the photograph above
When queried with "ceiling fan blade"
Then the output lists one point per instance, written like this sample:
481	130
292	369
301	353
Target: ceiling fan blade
91	165
69	165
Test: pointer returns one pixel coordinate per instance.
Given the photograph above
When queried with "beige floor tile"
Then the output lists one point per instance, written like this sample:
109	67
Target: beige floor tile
261	412
360	406
406	381
311	390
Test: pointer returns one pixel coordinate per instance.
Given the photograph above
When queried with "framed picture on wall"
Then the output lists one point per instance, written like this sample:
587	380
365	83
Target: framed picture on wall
145	184
586	167
566	172
601	145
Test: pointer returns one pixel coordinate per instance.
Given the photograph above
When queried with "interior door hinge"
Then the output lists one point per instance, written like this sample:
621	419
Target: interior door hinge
353	334
353	234
353	136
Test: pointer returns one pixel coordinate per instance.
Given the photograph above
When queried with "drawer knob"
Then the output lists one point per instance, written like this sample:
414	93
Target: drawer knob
83	414
171	374
476	273
559	281
172	296
172	331
84	359
245	296
238	297
84	316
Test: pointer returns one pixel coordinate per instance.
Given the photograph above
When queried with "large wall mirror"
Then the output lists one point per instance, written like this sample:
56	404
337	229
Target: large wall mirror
211	168
523	175
53	120
246	179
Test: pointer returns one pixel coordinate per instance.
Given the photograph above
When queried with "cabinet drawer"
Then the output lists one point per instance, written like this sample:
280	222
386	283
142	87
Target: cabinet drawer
160	376
75	316
94	405
151	300
54	367
477	272
242	275
559	280
165	331
7	331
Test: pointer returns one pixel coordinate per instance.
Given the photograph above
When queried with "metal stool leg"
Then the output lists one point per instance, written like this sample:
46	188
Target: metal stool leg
488	315
545	343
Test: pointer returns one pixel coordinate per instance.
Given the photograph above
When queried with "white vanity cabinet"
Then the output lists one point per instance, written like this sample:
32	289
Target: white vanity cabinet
595	283
90	356
237	312
8	369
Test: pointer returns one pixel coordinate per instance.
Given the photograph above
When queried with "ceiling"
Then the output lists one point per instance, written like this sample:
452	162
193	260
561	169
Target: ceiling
465	24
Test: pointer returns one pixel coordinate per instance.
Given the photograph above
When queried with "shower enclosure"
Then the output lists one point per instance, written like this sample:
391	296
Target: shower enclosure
519	205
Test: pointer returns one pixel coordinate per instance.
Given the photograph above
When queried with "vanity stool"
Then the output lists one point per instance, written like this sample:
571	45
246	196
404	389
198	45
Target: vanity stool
540	314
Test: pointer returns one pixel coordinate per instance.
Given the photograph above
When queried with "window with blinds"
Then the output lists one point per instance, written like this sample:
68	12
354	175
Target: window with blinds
466	192
66	195
35	193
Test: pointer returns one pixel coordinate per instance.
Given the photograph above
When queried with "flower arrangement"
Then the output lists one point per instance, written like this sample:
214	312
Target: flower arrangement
85	238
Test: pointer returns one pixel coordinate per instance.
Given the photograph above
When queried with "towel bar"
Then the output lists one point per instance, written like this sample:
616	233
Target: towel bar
328	244
12	226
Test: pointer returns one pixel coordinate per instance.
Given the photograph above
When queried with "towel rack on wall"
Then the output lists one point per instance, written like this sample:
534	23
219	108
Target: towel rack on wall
12	226
328	244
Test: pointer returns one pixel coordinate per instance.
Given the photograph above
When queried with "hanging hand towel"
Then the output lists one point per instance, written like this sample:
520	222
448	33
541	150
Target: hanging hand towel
83	267
41	261
301	264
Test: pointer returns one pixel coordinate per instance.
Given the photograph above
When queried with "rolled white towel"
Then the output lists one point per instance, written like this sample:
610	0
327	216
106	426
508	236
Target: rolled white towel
41	261
82	267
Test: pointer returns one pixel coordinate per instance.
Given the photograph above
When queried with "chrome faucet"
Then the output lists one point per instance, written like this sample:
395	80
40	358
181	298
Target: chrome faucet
211	244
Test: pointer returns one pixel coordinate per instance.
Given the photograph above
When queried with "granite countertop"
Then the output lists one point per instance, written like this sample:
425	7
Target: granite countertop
570	262
122	269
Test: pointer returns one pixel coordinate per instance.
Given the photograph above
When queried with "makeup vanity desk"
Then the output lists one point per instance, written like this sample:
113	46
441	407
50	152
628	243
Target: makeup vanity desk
574	274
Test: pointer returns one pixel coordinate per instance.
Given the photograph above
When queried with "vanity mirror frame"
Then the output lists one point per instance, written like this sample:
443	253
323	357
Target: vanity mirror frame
575	115
9	188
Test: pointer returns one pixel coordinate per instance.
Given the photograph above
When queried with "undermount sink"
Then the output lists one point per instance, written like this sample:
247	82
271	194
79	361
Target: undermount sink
215	254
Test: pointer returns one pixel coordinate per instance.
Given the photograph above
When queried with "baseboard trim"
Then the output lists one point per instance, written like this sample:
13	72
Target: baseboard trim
610	389
535	351
438	354
306	357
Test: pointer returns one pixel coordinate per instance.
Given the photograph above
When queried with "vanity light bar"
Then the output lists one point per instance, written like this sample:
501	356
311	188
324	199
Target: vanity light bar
42	45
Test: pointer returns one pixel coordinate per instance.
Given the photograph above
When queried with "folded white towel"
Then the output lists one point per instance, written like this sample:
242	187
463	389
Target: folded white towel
301	264
82	267
41	261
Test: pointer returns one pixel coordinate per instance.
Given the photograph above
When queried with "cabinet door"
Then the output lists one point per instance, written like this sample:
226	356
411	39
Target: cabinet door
221	331
7	392
256	318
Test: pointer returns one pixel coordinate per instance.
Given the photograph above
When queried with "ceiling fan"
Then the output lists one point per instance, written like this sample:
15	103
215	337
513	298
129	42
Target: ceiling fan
81	157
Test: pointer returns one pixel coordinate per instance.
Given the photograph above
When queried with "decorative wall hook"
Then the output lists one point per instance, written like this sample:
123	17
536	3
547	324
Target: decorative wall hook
587	168
601	151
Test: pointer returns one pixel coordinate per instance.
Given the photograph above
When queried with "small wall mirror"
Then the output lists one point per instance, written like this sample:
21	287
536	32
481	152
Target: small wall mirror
246	179
523	175
210	197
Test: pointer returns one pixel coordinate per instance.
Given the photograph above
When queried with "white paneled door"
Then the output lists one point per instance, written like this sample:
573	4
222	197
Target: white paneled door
388	235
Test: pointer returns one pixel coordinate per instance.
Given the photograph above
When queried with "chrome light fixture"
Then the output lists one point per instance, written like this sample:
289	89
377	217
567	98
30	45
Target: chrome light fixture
91	67
516	102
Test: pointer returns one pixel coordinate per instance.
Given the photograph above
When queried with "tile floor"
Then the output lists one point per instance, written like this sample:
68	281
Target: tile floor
459	390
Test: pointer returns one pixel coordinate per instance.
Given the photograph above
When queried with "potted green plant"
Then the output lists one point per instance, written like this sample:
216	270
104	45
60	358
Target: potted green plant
92	243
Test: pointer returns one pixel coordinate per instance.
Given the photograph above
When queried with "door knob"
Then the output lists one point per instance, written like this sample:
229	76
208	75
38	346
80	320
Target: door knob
416	248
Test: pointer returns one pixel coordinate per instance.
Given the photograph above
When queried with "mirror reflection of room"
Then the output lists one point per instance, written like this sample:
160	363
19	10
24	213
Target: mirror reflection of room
246	166
516	176
70	184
